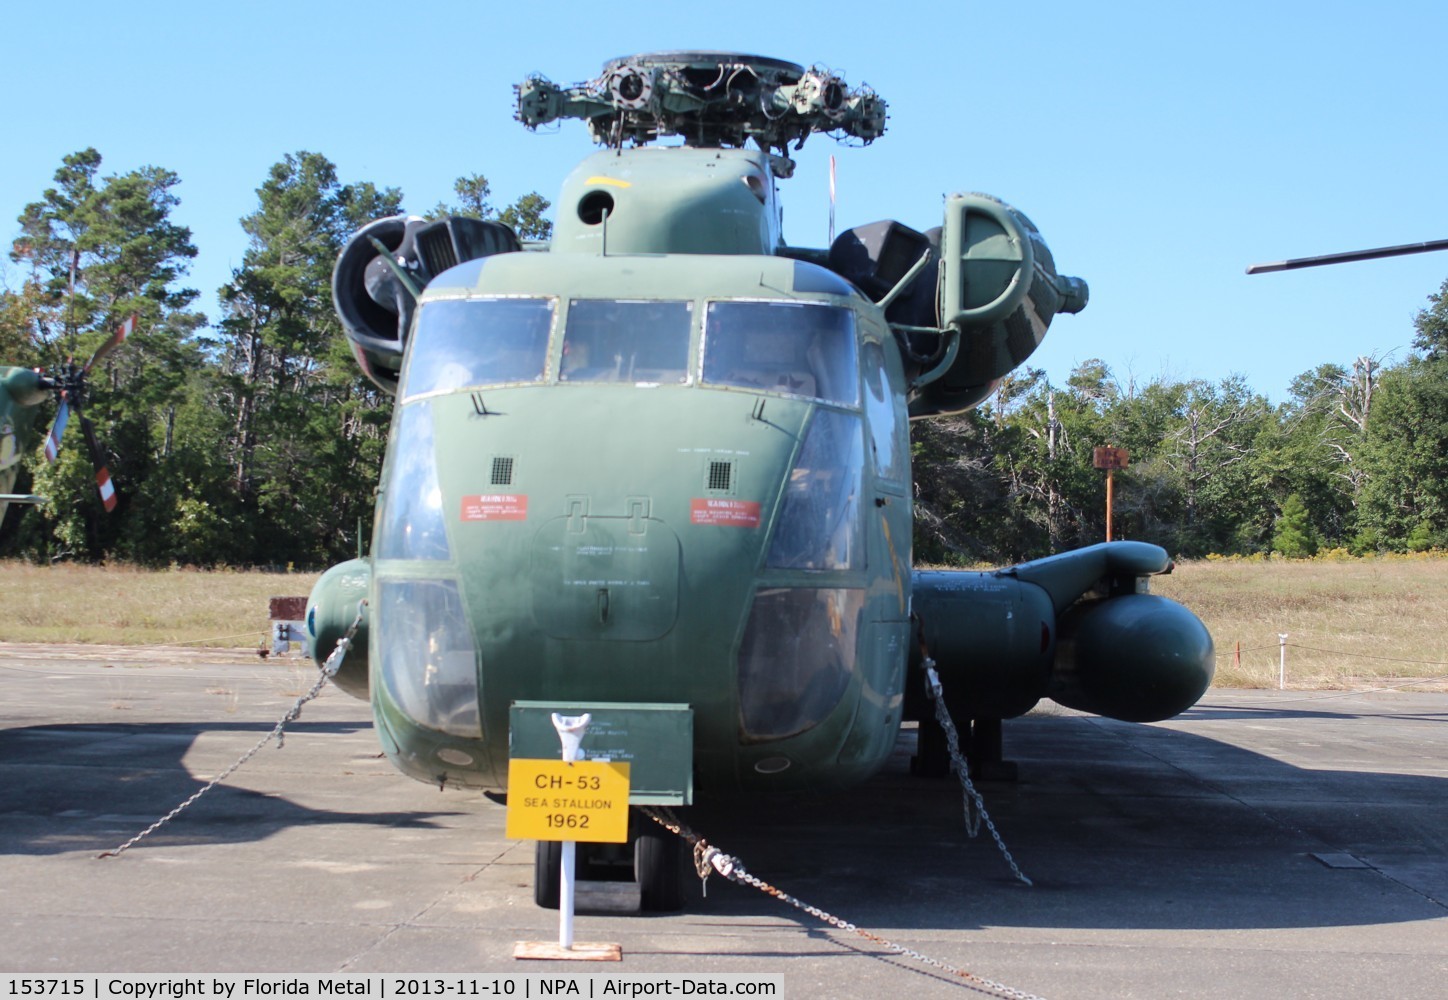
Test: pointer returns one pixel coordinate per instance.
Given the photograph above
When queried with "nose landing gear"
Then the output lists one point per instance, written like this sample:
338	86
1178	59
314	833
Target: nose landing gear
651	863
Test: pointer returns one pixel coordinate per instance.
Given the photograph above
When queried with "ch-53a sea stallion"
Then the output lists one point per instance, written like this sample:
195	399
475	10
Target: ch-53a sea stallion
658	470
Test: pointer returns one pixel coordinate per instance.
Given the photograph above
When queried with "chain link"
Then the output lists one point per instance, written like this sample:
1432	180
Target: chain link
709	859
325	672
969	795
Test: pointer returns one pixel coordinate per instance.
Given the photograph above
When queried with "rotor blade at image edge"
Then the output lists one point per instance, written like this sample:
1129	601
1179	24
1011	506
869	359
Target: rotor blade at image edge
1348	257
52	441
103	474
117	339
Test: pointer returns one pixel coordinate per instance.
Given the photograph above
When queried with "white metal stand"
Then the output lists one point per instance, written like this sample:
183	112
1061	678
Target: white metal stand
570	735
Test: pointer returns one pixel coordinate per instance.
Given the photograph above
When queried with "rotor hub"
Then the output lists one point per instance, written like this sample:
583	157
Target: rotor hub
708	99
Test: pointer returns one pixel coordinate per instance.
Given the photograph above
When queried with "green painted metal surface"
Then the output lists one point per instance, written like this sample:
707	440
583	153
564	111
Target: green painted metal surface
657	742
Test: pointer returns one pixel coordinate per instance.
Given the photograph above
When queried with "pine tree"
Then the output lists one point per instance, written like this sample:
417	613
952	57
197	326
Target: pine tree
98	249
1293	536
306	431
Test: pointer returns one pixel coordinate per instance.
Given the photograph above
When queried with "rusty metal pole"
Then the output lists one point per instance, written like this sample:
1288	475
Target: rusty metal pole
1109	458
1108	504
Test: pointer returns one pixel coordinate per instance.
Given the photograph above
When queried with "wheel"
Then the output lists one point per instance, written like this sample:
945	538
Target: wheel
657	861
547	874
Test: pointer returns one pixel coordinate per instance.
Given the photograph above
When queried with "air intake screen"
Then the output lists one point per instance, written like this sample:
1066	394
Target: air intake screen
502	471
721	475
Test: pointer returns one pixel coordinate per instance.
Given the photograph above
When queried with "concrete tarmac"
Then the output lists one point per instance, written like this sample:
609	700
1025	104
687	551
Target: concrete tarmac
1288	844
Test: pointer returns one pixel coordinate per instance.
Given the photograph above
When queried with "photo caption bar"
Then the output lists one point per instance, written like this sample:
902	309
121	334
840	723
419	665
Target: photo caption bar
233	986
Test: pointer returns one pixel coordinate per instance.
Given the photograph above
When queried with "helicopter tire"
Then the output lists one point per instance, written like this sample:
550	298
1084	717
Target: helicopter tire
657	861
547	877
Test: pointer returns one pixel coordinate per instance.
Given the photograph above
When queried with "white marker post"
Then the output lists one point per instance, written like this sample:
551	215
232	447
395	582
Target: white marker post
1281	662
570	734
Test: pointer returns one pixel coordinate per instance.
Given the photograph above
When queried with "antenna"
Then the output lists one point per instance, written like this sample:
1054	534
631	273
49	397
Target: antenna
832	200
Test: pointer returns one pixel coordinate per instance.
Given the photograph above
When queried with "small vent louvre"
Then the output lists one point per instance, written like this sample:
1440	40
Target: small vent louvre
502	471
434	246
721	476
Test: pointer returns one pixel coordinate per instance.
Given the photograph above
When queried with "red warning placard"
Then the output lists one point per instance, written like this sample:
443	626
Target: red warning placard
730	513
495	507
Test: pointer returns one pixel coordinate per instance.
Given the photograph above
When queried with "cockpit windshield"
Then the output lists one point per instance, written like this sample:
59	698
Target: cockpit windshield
612	340
462	343
803	349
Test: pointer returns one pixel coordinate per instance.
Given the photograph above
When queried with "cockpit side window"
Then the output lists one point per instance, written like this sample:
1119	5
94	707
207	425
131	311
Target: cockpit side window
613	340
802	349
466	343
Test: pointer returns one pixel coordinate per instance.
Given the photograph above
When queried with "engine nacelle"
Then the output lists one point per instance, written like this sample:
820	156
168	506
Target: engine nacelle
1077	628
999	291
375	298
993	639
336	599
977	309
24	386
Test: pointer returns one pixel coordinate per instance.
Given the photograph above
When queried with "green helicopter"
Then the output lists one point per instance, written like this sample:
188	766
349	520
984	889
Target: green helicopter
658	471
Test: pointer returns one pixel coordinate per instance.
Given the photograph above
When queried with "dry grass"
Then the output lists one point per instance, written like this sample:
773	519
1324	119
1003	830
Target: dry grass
128	606
1349	623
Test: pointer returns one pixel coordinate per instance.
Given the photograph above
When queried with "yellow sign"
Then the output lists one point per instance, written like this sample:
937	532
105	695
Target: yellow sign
561	800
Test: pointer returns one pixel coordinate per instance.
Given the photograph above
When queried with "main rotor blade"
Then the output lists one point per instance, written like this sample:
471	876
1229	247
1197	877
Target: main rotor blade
1352	255
52	442
103	474
122	332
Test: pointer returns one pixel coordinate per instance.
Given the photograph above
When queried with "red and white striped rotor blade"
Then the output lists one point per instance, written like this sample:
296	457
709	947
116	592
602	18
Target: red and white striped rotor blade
117	339
107	490
103	474
52	441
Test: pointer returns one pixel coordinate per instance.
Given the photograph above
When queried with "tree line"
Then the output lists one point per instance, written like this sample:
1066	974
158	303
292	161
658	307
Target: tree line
1356	460
255	440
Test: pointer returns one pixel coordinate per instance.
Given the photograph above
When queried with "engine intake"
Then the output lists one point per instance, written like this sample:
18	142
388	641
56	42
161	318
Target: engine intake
375	298
978	308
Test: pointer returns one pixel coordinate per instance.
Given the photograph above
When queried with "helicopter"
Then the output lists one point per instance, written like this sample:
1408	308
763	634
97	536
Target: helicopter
21	393
658	471
23	390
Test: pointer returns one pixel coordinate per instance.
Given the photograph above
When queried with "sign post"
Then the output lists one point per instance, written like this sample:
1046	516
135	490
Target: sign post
568	800
570	733
1109	458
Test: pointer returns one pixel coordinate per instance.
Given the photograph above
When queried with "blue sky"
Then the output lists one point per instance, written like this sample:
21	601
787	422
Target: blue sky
1160	148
